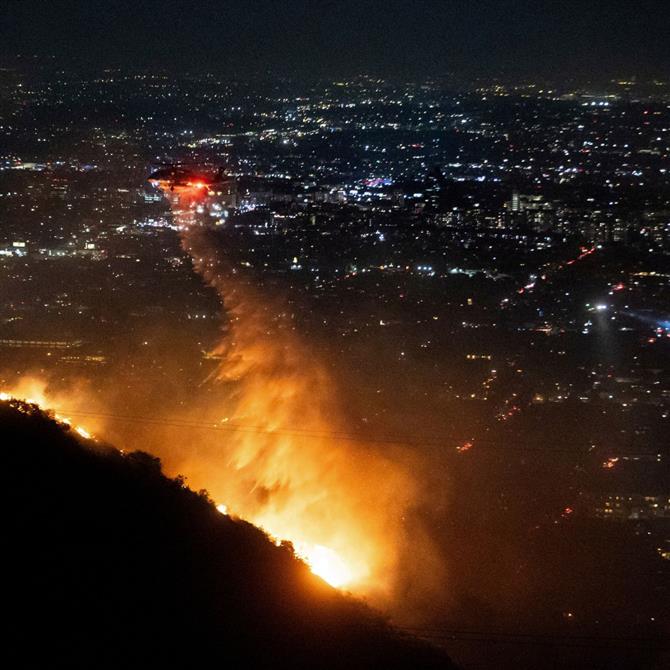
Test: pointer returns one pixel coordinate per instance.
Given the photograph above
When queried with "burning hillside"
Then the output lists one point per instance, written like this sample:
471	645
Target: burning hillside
112	560
271	458
342	505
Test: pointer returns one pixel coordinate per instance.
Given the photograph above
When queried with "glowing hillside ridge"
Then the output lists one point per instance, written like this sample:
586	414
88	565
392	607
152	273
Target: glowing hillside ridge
322	561
325	563
41	403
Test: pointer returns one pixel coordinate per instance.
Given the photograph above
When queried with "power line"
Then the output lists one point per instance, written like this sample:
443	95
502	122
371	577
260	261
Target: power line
604	642
437	440
434	441
530	638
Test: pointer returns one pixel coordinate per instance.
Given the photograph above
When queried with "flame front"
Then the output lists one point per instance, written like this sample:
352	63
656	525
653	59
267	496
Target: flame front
327	564
323	561
34	392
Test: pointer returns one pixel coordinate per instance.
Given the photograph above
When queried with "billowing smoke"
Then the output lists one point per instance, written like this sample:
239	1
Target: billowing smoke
345	506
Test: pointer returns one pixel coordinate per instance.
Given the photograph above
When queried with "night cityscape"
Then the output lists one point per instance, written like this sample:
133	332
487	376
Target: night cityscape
407	313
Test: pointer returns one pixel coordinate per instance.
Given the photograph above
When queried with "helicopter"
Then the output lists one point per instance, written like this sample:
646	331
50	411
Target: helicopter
178	176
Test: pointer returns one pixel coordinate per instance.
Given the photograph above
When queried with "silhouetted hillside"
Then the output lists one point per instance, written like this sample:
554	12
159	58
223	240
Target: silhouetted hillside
113	564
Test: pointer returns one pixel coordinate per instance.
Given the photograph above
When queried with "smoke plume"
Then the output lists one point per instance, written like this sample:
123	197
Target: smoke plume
345	506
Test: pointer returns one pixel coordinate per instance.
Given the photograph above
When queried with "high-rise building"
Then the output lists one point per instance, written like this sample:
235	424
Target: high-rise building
531	210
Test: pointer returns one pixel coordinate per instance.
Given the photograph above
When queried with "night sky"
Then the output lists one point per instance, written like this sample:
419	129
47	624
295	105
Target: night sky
594	38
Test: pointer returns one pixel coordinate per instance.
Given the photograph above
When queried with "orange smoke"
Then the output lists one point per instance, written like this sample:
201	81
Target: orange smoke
341	505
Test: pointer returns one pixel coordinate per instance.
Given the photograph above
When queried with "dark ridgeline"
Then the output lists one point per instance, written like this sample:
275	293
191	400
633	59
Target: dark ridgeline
114	564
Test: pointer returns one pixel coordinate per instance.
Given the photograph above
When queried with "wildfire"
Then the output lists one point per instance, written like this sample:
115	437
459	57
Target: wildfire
36	395
340	505
83	432
322	561
325	563
343	506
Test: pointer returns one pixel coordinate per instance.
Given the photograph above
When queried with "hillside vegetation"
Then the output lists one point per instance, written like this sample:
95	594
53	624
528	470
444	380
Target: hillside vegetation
112	564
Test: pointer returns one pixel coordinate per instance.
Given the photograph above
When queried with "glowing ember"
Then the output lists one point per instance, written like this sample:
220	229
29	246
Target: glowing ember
223	509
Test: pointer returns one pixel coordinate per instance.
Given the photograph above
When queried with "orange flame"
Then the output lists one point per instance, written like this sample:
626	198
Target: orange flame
341	506
33	392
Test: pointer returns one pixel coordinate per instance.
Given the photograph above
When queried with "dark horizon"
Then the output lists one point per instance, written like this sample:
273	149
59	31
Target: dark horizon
392	39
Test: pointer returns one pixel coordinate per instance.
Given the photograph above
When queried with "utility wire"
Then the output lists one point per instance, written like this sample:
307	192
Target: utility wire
435	440
550	638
